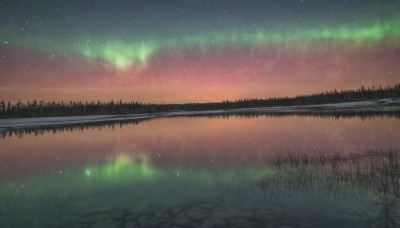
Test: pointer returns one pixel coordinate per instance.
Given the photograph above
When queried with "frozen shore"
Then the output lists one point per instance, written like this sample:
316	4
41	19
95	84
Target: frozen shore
372	105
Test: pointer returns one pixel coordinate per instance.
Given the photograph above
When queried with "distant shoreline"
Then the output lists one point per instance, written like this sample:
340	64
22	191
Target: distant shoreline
389	105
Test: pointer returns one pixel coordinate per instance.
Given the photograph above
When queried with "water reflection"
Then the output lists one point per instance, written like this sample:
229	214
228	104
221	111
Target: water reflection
364	187
368	175
191	142
297	171
123	166
37	131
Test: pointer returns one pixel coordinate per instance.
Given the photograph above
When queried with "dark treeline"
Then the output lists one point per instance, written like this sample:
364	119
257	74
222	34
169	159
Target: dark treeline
77	108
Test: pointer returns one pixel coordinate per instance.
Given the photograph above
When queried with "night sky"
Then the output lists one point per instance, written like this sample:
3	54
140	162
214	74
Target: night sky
194	51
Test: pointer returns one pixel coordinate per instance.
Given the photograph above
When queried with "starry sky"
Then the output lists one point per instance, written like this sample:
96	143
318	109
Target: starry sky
179	51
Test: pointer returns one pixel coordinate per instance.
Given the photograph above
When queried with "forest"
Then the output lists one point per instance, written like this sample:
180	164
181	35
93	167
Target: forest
79	108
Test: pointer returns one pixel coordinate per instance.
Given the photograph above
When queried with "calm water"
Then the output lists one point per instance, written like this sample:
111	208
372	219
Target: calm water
189	172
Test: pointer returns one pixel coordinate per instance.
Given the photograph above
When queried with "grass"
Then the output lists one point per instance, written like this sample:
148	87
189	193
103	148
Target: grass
375	174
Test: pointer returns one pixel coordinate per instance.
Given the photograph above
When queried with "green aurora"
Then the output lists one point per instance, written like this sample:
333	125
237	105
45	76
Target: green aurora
123	54
126	53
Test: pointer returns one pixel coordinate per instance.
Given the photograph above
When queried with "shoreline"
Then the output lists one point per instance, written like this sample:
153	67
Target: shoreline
371	106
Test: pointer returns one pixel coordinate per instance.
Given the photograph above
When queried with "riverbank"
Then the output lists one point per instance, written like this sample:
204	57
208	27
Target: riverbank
371	106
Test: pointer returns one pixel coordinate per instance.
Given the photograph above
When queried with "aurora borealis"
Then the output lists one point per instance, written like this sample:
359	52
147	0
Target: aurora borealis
194	51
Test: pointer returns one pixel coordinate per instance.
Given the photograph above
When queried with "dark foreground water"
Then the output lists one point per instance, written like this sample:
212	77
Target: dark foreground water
290	171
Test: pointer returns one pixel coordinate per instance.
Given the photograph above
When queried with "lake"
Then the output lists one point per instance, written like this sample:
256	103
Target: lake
212	171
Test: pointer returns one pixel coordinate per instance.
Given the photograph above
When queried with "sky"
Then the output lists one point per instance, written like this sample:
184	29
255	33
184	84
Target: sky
179	51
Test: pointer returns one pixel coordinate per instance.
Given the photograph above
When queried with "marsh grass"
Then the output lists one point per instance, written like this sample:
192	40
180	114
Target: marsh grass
377	171
373	175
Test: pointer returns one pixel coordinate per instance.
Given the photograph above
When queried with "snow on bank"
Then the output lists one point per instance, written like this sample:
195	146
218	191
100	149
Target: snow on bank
22	123
66	120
